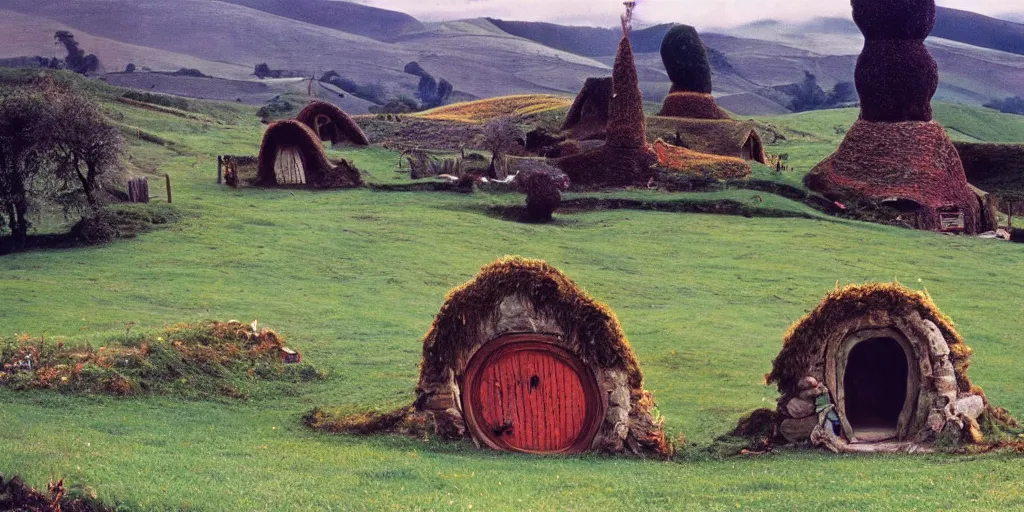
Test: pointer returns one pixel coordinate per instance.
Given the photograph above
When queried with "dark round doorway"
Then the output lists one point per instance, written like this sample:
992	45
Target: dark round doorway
875	387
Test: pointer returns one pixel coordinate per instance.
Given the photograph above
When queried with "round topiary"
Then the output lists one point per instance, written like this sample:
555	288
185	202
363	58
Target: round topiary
896	80
543	187
686	60
894	19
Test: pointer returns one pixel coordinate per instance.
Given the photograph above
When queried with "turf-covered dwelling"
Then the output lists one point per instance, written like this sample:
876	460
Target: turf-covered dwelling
736	139
292	154
521	359
330	123
997	169
625	158
896	154
588	116
877	368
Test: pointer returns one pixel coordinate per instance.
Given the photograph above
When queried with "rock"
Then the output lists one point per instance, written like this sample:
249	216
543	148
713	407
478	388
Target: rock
807	383
970	406
946	384
619	397
937	342
811	394
800	408
936	420
798	430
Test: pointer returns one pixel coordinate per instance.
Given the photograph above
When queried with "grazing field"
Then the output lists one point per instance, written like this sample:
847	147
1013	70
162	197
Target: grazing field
354	278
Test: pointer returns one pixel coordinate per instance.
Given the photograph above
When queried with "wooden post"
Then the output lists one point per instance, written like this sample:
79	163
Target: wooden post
168	176
220	170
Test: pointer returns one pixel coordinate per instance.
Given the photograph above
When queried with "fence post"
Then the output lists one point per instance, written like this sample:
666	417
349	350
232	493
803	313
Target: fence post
168	176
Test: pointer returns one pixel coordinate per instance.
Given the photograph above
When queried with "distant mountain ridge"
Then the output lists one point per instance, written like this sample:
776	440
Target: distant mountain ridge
358	19
585	41
979	30
482	58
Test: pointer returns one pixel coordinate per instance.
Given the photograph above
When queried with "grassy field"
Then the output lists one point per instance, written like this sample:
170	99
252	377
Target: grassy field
354	278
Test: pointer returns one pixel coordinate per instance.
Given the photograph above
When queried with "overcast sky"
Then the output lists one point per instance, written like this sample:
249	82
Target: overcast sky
703	13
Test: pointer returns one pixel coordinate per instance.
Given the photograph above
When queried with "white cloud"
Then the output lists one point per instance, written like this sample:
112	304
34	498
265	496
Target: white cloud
707	13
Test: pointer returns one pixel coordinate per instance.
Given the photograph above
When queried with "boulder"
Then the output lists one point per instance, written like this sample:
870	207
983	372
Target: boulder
798	430
800	408
971	406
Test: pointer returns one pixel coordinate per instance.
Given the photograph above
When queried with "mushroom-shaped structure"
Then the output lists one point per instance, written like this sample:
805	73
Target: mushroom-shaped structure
895	153
686	61
521	359
876	368
331	123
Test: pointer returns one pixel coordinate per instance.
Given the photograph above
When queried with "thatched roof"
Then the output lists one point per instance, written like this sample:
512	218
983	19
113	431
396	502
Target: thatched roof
320	172
802	345
712	136
995	168
911	160
598	338
703	165
626	158
588	114
340	127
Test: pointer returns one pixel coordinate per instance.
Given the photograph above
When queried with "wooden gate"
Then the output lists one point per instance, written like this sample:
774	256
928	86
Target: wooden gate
525	393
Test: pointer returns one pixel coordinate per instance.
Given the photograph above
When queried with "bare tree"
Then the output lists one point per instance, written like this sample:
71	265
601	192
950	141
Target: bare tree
501	134
88	145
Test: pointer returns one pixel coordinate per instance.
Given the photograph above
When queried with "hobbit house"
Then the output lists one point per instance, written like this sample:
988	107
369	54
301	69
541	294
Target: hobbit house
521	359
877	368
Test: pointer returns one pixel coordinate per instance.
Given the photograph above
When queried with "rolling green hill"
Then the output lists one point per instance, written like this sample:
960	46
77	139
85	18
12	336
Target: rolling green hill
354	278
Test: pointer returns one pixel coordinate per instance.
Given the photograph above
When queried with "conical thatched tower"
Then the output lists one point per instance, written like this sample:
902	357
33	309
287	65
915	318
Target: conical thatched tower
895	153
626	158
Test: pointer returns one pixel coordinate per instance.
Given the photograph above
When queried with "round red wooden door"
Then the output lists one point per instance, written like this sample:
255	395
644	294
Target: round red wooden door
525	393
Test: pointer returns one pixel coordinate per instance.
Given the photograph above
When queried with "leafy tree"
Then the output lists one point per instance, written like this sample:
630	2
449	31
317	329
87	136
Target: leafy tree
808	95
24	156
262	70
76	60
130	68
1014	105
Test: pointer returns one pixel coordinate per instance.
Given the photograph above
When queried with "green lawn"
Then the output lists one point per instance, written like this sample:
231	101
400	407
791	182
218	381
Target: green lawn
354	278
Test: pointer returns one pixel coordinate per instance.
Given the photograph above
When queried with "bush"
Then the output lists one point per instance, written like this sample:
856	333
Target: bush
686	60
95	229
163	100
543	186
402	105
274	109
1014	105
193	360
190	72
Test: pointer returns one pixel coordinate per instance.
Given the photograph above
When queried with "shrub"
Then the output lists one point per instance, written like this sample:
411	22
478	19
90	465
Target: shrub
94	229
195	360
543	186
163	100
1014	105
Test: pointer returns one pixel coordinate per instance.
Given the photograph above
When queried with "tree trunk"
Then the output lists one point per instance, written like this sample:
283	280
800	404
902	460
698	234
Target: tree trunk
19	229
88	181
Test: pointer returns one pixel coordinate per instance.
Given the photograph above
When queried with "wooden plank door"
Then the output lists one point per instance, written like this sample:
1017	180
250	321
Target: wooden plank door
527	394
